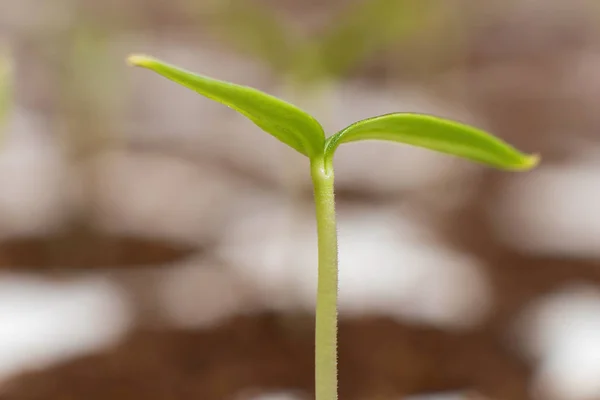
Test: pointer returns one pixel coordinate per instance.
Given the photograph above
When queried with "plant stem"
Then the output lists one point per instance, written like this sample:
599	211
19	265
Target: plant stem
327	291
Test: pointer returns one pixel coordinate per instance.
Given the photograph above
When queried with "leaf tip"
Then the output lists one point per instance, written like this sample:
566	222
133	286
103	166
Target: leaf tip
139	60
529	162
532	161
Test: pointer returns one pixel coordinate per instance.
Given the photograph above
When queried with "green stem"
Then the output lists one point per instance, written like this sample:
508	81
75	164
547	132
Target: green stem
327	292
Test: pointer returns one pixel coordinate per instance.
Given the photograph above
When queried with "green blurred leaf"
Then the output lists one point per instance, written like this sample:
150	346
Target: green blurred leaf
286	122
88	54
365	28
5	87
93	104
435	134
257	30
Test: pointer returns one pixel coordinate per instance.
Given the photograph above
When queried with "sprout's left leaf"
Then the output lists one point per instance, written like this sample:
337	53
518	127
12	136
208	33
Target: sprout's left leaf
435	134
286	122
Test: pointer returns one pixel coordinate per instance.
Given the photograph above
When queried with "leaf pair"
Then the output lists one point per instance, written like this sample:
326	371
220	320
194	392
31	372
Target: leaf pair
303	133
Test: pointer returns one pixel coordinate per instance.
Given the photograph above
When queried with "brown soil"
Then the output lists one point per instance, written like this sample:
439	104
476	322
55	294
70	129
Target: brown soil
379	359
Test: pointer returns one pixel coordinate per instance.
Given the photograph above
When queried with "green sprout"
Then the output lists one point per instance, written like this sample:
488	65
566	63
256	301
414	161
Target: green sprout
303	133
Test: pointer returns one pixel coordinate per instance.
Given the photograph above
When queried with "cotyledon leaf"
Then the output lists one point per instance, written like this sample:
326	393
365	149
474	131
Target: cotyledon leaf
286	122
437	134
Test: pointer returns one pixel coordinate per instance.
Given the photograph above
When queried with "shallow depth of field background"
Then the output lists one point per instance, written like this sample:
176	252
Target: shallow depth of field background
157	245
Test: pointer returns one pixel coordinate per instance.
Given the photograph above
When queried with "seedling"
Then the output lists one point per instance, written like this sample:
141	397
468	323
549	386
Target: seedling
304	134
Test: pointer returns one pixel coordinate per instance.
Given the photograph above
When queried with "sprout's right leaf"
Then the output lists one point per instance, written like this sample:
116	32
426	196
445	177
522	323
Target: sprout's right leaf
435	134
5	87
286	122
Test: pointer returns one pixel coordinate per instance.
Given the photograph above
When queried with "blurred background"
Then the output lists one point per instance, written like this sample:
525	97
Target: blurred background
156	245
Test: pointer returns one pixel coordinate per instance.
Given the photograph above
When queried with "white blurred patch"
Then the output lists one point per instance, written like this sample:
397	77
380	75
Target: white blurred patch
562	332
34	177
159	195
32	16
281	395
199	295
553	210
42	322
389	265
262	246
444	396
393	265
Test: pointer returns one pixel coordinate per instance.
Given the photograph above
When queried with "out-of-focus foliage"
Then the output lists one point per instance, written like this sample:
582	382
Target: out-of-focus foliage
5	86
258	30
363	29
90	87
